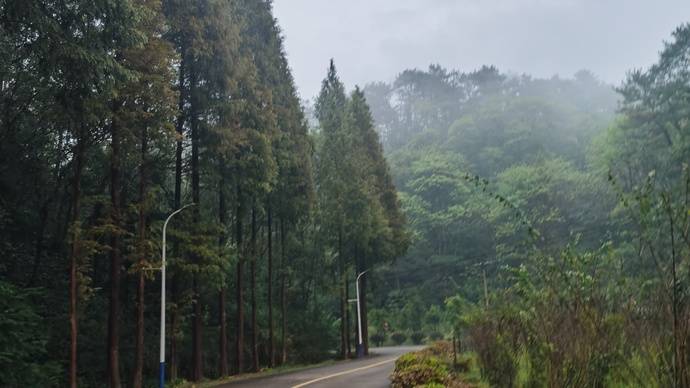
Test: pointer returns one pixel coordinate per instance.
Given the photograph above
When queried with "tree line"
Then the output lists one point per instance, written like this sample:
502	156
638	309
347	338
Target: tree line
115	114
549	221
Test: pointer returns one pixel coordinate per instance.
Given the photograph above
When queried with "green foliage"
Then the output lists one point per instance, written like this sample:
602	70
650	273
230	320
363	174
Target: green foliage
378	338
159	104
435	336
553	275
24	358
488	165
435	366
310	348
412	370
115	113
398	337
417	337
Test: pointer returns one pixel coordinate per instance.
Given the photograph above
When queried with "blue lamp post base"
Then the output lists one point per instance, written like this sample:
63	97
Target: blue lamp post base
162	375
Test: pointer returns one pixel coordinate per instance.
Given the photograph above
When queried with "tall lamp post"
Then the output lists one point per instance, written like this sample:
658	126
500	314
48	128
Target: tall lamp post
162	347
360	348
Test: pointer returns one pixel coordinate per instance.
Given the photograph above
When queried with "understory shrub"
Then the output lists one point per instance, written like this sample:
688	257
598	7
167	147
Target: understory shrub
561	325
414	369
417	337
378	338
431	367
435	336
398	338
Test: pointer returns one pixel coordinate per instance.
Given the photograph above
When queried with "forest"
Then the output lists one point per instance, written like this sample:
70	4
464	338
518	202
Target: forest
116	113
541	225
549	218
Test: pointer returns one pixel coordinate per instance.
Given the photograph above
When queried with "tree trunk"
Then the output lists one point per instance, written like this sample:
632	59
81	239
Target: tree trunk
365	321
139	346
197	346
347	317
269	236
197	372
179	127
283	294
115	260
223	340
174	321
223	345
343	318
255	329
239	346
75	252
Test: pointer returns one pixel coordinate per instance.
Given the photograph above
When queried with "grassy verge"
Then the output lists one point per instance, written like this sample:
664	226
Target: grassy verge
435	367
246	376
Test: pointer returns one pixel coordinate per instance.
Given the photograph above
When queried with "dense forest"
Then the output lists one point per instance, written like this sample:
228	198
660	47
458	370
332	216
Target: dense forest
539	225
550	221
116	113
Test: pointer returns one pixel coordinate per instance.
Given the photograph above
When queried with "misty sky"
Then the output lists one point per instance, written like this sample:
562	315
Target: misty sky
373	40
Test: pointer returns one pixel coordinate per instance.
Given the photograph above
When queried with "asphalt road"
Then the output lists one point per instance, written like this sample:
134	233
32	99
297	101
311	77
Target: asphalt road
371	372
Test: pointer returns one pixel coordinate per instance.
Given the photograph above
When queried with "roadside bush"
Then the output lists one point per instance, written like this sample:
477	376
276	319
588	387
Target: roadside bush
435	336
378	338
558	326
431	367
417	337
398	338
311	340
413	370
495	354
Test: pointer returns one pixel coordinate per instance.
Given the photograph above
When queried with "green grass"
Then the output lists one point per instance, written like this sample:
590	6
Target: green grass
473	375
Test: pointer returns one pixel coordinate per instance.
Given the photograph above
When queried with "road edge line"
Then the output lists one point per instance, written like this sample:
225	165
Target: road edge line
343	373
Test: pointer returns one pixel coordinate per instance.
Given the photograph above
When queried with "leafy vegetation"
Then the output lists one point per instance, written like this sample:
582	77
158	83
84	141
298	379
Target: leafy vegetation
541	224
117	113
550	225
436	366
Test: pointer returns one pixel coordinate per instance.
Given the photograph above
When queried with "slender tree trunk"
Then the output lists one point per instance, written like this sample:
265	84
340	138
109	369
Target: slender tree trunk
174	322
115	260
197	326
269	285
283	294
255	329
343	315
365	321
197	350
139	346
223	345
347	317
174	319
223	340
75	252
239	346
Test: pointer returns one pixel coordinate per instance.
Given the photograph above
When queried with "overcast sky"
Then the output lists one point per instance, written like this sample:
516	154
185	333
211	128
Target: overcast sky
374	40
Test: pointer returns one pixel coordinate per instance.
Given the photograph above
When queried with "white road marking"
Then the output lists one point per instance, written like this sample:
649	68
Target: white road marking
347	372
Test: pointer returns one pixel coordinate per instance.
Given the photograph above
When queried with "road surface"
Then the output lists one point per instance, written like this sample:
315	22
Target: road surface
371	372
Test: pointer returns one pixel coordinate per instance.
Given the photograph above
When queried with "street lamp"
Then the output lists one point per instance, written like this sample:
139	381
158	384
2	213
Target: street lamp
360	348
162	348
